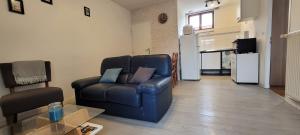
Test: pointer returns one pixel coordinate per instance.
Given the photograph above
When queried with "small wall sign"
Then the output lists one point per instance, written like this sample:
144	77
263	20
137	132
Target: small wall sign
16	6
48	1
87	11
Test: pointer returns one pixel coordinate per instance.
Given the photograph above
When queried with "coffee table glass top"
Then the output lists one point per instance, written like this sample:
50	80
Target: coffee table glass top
74	116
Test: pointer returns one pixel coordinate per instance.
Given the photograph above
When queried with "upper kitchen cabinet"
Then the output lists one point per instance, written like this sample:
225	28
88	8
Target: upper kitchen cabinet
247	10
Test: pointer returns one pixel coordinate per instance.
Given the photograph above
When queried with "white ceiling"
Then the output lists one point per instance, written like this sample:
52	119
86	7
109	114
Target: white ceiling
136	4
198	5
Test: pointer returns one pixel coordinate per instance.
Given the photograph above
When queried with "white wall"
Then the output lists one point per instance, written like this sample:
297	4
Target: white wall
141	38
75	44
226	27
293	56
261	28
250	27
164	37
294	17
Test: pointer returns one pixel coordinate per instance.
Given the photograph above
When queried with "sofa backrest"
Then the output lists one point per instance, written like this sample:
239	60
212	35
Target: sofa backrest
161	62
116	62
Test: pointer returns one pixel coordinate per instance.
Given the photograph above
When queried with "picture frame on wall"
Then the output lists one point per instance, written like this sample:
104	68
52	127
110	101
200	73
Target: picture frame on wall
48	1
16	6
87	11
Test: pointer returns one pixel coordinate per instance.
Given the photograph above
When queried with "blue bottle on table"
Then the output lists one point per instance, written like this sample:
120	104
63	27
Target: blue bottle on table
55	111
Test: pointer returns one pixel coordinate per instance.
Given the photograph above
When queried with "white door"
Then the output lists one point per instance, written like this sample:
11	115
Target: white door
141	38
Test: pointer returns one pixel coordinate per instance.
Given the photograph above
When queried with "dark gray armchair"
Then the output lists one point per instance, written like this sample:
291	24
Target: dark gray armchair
18	102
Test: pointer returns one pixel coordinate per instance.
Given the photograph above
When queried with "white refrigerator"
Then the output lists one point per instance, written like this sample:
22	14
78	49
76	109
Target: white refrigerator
190	58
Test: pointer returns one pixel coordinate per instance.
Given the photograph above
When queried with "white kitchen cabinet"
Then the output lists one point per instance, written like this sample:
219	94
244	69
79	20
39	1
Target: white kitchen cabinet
245	68
211	61
247	9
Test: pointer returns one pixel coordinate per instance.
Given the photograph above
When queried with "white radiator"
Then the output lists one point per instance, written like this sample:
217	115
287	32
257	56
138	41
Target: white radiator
293	66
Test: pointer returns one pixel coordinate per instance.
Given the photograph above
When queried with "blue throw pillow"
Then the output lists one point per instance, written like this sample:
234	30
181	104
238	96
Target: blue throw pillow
110	75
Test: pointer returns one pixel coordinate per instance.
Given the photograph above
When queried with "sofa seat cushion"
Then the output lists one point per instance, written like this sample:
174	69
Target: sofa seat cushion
96	92
125	95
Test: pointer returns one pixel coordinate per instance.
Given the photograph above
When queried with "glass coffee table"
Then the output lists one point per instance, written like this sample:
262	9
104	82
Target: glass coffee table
74	116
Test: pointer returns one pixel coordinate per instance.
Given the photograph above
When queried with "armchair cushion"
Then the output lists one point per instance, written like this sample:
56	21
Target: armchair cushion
80	84
30	99
154	86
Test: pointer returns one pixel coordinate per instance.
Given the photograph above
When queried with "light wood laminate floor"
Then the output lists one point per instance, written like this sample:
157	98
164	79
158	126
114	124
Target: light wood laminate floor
215	106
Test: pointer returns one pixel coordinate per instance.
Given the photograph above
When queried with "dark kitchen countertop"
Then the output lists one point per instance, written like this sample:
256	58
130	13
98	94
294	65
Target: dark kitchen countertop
220	50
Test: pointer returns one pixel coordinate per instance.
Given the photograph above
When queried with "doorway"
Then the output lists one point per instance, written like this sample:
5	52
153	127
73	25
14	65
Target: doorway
279	46
141	37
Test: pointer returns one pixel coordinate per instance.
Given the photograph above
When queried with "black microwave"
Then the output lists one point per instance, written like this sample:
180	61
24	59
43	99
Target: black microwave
245	45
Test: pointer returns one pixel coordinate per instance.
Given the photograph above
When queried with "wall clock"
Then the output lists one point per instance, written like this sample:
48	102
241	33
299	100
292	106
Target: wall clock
163	18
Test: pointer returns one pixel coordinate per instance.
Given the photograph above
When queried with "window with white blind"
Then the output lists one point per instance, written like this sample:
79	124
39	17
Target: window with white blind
202	21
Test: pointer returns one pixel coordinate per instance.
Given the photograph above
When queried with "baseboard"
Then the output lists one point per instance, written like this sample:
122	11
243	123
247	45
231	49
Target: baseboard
292	102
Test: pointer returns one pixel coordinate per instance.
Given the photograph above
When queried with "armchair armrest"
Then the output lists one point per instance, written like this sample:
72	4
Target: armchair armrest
154	86
82	83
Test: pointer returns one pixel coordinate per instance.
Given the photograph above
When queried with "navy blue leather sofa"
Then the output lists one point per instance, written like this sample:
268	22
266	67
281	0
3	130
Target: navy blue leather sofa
148	101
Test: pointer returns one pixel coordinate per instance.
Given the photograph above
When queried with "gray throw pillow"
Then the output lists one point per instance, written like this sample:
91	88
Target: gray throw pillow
142	75
110	75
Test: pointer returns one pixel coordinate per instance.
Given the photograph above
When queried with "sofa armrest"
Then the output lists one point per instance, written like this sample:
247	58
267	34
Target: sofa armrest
154	86
82	83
